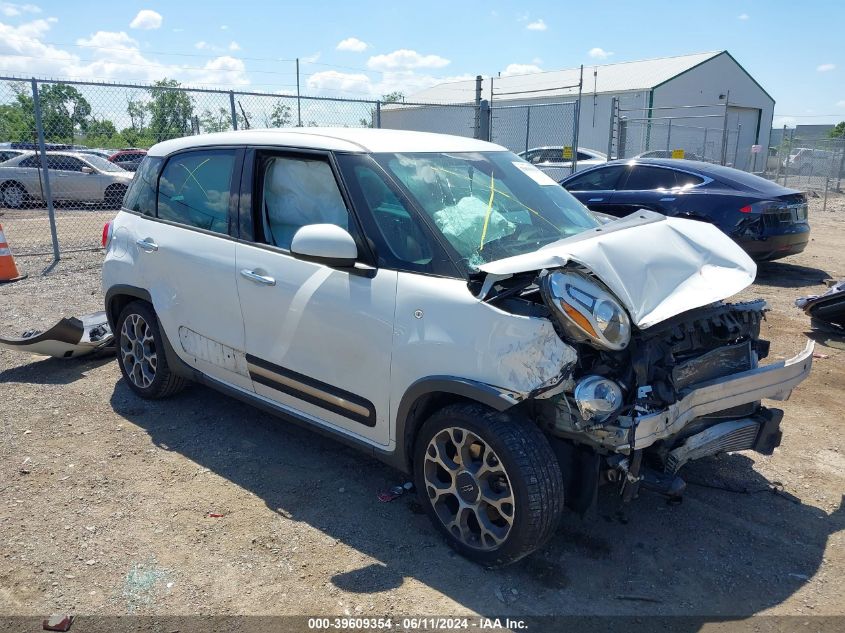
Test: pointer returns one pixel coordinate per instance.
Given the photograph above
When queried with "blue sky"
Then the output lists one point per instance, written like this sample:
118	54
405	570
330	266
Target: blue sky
364	49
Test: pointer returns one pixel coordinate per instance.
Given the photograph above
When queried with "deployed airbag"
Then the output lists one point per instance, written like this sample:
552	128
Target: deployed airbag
69	338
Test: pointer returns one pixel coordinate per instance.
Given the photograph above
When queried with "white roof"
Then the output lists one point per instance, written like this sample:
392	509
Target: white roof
618	77
333	139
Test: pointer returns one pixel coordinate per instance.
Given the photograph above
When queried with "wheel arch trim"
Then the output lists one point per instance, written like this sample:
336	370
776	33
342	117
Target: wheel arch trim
442	385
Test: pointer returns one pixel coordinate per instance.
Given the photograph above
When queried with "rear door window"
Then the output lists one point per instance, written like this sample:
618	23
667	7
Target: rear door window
603	179
647	178
195	187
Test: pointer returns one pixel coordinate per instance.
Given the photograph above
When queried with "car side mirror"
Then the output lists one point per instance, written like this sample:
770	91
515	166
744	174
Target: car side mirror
87	170
326	244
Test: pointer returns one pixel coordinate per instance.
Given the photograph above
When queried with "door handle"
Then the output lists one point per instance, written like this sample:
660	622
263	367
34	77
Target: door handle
595	199
147	244
260	279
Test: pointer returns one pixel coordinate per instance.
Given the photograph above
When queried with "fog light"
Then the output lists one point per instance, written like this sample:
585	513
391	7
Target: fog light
598	398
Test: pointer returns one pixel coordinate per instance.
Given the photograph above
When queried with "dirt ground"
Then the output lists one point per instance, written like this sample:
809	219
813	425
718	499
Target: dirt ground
107	499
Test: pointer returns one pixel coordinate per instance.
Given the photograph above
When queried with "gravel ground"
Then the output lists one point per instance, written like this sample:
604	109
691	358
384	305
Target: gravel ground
110	503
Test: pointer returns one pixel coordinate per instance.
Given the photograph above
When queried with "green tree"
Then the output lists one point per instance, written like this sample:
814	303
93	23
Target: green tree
838	130
280	115
64	112
391	97
137	111
170	111
219	120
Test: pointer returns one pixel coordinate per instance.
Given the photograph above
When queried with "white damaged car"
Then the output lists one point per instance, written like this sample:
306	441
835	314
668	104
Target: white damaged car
448	308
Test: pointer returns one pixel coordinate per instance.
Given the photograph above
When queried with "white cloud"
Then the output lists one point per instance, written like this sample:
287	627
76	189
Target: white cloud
521	69
536	25
841	104
11	9
234	46
201	45
352	44
824	68
743	16
404	59
146	20
334	81
310	59
599	53
108	55
224	27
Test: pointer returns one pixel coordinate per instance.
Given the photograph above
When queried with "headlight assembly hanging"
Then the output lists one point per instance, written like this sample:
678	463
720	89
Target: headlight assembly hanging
586	310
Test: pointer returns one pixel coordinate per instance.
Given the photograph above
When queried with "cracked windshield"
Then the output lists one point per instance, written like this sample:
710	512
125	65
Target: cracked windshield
489	205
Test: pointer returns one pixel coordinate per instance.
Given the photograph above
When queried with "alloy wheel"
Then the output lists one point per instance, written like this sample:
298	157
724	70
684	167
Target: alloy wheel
13	197
469	488
138	351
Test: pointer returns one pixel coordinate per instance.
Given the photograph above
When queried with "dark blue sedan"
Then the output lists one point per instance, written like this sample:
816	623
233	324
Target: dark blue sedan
767	220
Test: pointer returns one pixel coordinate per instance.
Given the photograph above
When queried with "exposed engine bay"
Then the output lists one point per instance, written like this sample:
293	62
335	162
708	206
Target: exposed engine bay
644	401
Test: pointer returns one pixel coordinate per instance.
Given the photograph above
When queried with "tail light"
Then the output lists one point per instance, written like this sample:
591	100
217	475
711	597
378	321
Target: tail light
746	209
107	234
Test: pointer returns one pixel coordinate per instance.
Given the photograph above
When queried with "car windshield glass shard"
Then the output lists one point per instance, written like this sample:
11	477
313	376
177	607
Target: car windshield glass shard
488	205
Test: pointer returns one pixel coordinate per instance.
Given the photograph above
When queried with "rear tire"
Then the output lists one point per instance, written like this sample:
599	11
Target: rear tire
13	195
489	481
141	356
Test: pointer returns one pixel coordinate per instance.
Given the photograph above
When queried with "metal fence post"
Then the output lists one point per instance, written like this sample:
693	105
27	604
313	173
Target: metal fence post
234	112
577	123
298	100
724	152
623	137
477	132
484	120
42	148
378	114
527	125
841	162
614	107
669	136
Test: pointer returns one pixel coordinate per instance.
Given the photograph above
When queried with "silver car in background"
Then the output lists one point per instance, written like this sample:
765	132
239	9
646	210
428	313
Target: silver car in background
550	160
74	177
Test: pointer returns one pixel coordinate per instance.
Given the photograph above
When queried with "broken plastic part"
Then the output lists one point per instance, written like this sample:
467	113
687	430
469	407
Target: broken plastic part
69	338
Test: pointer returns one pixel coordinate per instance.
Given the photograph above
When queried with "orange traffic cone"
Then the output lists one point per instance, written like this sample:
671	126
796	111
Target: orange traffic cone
8	268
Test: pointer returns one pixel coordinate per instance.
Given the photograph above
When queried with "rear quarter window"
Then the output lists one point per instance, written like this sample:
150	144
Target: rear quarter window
141	196
194	189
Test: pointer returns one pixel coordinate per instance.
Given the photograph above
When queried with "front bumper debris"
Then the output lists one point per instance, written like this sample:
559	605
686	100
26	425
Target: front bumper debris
773	382
69	338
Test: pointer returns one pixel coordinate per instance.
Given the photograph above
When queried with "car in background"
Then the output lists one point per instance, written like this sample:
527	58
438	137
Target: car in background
74	177
805	161
667	153
129	159
550	160
102	153
6	154
767	220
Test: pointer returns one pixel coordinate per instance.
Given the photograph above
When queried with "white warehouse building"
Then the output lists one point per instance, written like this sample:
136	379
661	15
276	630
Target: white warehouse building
669	103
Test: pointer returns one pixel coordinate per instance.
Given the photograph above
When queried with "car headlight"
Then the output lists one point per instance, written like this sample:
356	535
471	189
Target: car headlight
586	310
597	398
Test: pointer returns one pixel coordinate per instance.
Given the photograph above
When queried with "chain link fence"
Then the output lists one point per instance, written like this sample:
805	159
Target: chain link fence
807	164
676	139
68	150
543	133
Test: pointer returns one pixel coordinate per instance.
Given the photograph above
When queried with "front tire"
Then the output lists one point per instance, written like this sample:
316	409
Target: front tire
140	353
489	482
13	195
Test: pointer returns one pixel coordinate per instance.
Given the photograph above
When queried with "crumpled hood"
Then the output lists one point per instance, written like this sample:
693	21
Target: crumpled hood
656	266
